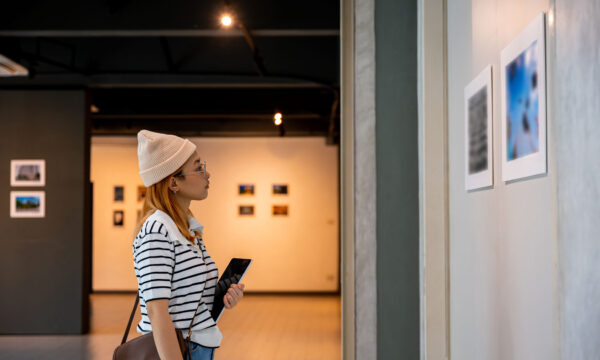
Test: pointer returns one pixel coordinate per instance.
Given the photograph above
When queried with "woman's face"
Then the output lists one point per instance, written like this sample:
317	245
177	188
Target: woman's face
193	185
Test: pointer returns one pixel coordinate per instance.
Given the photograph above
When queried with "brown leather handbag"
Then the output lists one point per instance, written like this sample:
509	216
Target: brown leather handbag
143	347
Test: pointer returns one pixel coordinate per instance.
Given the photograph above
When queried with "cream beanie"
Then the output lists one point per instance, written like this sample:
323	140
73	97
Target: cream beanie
160	155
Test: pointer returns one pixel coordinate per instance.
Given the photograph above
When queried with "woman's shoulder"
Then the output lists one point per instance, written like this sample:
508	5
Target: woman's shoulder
157	224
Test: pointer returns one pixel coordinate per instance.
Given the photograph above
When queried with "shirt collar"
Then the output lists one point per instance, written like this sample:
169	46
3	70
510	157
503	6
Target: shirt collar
195	225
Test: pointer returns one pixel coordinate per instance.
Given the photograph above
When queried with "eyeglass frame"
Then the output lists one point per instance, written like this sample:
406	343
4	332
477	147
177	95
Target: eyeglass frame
203	171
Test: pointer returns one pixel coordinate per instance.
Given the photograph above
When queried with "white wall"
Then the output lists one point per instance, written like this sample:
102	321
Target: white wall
295	253
502	240
578	154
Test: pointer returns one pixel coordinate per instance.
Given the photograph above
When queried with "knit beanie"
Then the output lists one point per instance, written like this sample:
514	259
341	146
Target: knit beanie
159	155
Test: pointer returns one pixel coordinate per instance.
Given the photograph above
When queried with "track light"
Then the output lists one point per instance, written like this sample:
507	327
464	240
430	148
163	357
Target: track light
226	20
278	118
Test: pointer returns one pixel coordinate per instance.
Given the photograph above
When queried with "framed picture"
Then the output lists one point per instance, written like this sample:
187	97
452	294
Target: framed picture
27	204
246	210
523	79
280	189
280	210
118	217
119	193
246	189
141	193
478	131
28	172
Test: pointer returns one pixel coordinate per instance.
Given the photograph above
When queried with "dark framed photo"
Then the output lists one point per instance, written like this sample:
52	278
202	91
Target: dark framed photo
246	189
246	210
280	210
141	193
119	193
280	189
118	217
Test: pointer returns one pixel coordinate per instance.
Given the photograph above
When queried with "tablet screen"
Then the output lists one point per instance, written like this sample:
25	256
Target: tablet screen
233	274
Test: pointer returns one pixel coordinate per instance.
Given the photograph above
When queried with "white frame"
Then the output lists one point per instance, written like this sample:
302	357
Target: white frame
536	163
17	162
483	178
13	204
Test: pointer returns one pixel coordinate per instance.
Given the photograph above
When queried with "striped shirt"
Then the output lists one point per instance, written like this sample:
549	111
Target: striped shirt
168	266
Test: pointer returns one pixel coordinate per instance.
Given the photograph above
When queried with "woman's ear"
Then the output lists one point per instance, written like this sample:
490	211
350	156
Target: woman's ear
173	186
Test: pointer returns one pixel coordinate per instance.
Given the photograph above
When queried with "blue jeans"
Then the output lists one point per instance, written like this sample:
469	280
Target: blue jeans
199	352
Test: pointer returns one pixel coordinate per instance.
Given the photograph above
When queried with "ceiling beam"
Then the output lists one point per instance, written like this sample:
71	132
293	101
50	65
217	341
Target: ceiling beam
173	33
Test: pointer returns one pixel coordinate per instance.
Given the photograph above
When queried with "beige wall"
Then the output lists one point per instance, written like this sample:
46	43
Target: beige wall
295	253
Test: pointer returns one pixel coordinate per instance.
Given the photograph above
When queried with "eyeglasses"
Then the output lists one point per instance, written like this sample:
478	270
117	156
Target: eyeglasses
200	170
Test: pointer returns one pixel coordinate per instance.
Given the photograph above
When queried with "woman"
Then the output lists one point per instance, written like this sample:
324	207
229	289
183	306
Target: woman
176	276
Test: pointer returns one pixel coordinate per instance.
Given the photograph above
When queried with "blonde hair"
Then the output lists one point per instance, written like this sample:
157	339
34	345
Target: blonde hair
159	197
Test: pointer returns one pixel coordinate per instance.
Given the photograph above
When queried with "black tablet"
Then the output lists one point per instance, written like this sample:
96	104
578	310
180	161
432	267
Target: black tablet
232	275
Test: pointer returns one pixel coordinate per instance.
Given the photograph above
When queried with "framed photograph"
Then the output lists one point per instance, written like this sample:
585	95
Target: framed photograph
28	172
280	210
246	189
118	217
478	131
27	204
141	193
246	210
119	193
280	189
523	79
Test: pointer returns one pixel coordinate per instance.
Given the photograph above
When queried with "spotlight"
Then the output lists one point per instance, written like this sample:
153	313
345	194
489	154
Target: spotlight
226	20
278	118
94	108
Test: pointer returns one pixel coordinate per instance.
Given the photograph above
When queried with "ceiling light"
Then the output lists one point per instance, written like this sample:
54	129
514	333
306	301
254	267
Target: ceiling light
226	20
278	118
11	68
94	108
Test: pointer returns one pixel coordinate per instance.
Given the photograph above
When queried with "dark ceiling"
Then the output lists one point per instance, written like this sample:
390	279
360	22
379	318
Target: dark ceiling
168	65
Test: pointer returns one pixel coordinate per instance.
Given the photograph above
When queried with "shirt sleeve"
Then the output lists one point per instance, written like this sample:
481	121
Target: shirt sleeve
154	260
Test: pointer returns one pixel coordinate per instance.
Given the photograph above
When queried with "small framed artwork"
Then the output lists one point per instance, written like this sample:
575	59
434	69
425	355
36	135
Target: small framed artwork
28	172
246	189
246	210
280	189
119	193
280	210
478	131
27	204
141	193
523	79
118	218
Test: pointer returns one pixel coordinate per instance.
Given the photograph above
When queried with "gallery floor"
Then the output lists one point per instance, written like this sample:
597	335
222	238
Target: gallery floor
261	327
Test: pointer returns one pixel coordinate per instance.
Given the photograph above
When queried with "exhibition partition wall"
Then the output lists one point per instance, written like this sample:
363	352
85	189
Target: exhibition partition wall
503	273
274	200
44	259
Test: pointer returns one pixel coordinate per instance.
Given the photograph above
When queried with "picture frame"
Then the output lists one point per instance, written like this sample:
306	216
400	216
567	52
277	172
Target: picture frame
479	140
27	204
118	217
523	93
119	193
28	172
246	189
141	193
246	210
280	210
279	189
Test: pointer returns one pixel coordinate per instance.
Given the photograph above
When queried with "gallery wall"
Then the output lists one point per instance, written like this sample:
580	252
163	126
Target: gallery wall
578	157
503	239
294	253
44	261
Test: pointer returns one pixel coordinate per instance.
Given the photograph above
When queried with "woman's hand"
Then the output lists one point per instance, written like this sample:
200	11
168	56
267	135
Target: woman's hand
234	295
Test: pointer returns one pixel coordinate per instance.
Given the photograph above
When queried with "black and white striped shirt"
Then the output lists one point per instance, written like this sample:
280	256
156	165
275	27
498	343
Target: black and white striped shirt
168	266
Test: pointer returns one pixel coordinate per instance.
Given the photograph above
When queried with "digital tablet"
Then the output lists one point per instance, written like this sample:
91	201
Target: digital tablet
232	275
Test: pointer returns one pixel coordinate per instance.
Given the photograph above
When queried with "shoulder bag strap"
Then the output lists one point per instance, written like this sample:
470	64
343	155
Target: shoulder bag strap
137	298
